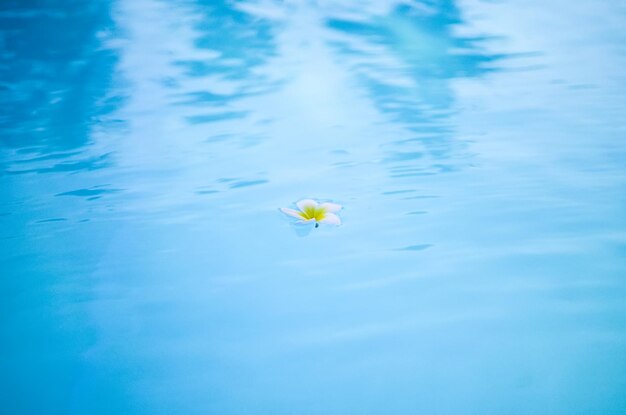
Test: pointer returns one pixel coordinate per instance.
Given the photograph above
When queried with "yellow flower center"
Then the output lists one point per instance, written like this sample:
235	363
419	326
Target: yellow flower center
313	212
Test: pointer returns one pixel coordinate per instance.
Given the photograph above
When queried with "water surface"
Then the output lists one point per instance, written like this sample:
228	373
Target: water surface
477	147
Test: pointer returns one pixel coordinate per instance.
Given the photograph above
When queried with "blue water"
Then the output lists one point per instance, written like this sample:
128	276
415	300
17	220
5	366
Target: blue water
478	149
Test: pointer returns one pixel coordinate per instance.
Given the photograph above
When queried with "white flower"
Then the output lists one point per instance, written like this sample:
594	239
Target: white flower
311	211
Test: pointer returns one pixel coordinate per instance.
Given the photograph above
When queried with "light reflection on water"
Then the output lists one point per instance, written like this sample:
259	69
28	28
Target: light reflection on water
145	147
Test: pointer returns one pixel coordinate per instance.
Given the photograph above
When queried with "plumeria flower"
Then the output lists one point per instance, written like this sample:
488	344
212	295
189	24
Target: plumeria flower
311	211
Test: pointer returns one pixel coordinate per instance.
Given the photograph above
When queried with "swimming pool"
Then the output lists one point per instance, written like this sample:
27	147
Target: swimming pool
477	149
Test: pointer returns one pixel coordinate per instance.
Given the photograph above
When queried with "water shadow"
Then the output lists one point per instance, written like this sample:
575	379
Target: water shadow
406	60
55	74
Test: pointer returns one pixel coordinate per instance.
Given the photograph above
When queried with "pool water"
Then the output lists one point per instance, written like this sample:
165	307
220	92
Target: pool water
478	149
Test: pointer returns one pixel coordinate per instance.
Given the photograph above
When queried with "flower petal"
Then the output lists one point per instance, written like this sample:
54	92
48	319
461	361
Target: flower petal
331	219
292	212
304	203
303	221
331	207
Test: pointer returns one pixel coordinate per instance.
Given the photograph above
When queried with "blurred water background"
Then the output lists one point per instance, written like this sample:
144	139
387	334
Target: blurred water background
478	148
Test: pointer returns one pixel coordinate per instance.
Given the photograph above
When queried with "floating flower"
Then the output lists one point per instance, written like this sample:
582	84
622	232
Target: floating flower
311	211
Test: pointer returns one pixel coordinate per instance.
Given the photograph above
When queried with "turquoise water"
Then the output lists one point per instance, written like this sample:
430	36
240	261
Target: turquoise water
478	149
